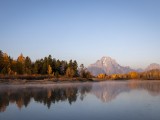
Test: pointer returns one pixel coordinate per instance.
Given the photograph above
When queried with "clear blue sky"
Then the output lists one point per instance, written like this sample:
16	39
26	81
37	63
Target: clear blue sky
85	30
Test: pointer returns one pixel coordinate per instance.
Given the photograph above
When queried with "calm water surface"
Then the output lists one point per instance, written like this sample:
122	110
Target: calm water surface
111	100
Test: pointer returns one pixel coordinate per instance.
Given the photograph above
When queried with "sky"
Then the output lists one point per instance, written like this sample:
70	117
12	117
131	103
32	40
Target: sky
82	30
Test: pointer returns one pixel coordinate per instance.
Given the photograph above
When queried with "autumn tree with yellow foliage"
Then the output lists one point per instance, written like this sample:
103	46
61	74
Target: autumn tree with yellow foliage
69	72
101	76
20	64
48	65
49	70
134	75
44	66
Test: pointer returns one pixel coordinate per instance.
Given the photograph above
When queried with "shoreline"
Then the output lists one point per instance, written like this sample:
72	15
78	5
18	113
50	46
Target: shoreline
57	81
44	81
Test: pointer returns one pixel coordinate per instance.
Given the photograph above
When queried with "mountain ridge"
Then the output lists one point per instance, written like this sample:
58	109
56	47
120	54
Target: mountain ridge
107	65
153	66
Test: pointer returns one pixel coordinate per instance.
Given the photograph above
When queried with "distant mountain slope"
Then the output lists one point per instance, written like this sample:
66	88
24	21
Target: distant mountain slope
153	66
109	66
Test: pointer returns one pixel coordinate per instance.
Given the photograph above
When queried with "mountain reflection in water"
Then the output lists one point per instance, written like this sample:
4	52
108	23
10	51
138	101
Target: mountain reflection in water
21	95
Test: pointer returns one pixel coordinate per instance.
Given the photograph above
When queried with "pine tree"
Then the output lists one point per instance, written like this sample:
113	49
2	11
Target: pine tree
1	61
28	65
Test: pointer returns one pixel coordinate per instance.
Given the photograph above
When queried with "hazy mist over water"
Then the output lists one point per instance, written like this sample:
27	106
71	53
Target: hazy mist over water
114	100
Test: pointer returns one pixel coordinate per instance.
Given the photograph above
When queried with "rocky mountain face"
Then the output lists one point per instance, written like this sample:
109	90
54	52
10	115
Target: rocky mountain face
153	66
108	66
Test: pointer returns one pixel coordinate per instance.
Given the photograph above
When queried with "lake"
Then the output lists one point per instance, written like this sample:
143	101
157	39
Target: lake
110	100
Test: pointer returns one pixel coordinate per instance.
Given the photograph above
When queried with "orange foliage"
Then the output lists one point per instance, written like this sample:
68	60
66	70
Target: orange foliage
21	58
101	76
134	75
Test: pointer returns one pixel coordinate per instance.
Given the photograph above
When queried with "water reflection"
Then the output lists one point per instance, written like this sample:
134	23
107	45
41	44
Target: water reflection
21	95
107	91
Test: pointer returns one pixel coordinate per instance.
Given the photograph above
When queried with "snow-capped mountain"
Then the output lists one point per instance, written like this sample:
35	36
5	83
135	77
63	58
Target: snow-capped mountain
108	66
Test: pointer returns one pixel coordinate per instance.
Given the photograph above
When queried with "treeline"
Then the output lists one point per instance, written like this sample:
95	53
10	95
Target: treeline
148	75
45	66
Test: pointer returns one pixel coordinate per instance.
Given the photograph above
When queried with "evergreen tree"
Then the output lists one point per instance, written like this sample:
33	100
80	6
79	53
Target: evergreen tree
45	66
28	65
1	61
63	67
35	68
49	60
82	71
58	65
75	66
6	64
53	65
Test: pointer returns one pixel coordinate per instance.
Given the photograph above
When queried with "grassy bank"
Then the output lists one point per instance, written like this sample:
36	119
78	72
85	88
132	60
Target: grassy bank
38	79
25	77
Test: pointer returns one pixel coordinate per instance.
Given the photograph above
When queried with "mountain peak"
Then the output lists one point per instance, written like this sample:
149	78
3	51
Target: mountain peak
106	61
153	66
107	65
106	58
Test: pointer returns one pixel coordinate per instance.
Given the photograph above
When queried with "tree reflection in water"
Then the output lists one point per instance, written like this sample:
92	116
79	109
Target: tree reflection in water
45	94
21	95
